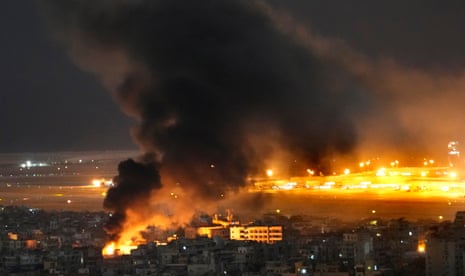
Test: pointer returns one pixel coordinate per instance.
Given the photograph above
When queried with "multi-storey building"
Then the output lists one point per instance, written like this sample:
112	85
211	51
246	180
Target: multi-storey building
259	233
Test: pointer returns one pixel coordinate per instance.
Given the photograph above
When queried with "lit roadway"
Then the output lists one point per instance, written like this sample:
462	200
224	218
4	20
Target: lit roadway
414	193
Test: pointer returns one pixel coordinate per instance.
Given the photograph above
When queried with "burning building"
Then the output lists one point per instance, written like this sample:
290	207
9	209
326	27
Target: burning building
215	98
218	91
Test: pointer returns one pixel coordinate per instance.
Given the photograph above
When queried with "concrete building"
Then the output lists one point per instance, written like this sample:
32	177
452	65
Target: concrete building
263	234
445	248
356	247
206	231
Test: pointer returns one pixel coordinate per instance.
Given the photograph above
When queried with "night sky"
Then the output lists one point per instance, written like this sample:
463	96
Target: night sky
48	103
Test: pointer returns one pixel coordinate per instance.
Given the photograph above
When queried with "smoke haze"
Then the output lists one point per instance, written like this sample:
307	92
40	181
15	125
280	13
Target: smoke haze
220	90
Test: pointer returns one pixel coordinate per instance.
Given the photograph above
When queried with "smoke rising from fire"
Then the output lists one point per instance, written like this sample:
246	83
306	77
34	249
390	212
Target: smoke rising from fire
220	88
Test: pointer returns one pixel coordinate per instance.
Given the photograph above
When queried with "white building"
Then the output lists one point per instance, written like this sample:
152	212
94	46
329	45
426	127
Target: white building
264	234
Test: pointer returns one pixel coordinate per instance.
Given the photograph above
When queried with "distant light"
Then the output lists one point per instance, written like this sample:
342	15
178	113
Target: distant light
278	211
440	217
68	201
373	211
310	172
97	182
405	188
269	172
381	172
453	174
410	233
346	171
421	248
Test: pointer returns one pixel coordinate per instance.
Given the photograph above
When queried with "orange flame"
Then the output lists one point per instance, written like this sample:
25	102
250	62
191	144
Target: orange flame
139	218
113	249
109	249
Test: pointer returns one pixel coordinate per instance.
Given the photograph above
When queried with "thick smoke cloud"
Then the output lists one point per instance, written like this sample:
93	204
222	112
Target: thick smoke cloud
222	89
217	91
132	185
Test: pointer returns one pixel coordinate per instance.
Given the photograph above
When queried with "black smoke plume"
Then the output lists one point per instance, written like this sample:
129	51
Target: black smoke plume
133	183
216	89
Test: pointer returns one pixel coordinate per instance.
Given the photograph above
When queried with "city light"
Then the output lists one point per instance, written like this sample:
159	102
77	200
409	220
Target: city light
421	248
97	182
269	172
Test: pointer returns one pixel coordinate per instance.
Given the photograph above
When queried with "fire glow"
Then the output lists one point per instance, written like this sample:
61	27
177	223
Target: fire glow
113	249
128	239
137	221
204	147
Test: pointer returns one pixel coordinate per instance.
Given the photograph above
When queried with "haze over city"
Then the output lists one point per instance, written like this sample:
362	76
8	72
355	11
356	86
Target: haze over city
154	111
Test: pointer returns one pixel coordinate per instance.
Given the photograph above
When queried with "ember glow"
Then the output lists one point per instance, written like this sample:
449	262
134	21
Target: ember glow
421	248
119	248
113	249
109	249
128	239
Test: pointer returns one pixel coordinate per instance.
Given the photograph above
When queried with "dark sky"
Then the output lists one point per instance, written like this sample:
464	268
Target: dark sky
417	33
48	104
